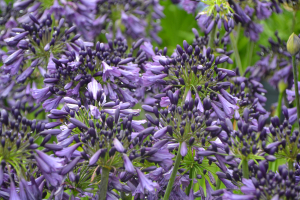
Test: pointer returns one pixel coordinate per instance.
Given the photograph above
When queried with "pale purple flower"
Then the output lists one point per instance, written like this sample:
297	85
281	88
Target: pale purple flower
94	112
183	149
227	107
50	104
148	48
118	145
144	183
39	93
110	72
128	164
93	87
67	152
149	78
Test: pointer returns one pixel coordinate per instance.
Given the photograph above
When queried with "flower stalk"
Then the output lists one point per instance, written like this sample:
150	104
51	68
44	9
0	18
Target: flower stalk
245	168
236	53
103	183
173	175
296	87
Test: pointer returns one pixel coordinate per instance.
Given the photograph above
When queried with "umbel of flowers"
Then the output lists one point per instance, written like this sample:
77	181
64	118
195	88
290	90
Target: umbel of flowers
91	109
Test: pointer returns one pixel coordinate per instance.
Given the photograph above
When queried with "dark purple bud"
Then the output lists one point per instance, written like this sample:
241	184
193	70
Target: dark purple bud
213	128
270	158
53	147
95	157
46	139
117	115
185	45
150	118
51	132
147	108
51	80
261	122
13	57
78	123
138	43
285	112
210	27
34	19
206	103
160	133
125	61
179	49
70	30
52	124
58	112
70	100
205	153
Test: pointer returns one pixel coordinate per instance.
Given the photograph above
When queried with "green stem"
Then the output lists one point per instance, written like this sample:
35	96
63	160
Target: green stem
103	183
245	168
296	88
250	54
218	184
279	105
291	165
211	42
191	176
173	175
236	53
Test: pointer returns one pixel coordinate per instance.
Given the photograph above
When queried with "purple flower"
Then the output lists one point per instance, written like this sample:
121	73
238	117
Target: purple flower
253	30
149	78
128	164
13	195
118	145
95	112
183	149
144	183
189	6
50	104
54	163
165	101
39	93
227	107
110	72
94	87
67	152
148	48
263	10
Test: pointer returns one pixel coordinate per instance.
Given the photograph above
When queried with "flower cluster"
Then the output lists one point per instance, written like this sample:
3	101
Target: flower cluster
90	108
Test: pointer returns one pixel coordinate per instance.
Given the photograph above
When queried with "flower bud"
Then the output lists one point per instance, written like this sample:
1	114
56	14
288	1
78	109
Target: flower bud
293	44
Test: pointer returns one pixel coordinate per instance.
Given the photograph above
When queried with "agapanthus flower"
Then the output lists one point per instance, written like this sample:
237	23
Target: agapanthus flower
94	17
190	71
107	140
107	68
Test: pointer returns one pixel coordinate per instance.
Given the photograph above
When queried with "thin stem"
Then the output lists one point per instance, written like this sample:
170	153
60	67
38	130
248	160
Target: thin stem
250	54
296	88
245	168
279	105
191	176
103	183
236	53
218	184
173	175
211	42
291	165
